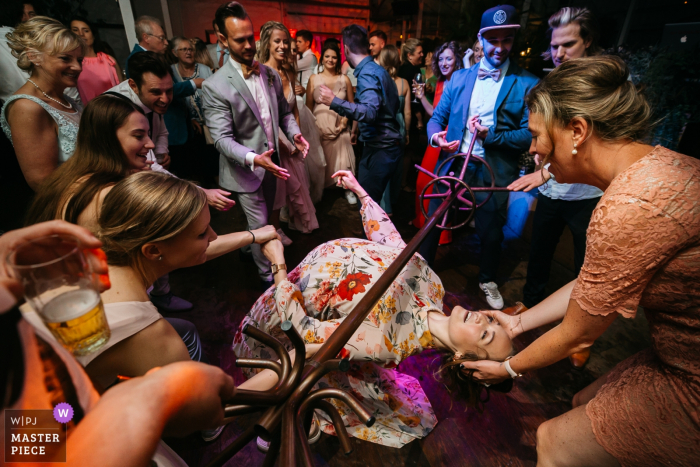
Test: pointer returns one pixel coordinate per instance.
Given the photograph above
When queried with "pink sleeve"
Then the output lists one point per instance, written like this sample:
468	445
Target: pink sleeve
378	226
628	241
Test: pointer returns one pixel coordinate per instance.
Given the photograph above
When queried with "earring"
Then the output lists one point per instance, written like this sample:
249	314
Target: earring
574	152
457	356
160	258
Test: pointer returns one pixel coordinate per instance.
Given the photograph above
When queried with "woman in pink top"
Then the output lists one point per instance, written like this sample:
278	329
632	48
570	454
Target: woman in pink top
100	70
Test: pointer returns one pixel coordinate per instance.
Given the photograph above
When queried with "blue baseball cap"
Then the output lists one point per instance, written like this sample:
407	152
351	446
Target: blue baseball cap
499	17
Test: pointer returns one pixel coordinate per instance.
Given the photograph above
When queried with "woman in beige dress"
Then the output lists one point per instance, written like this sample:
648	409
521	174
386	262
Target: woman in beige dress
336	137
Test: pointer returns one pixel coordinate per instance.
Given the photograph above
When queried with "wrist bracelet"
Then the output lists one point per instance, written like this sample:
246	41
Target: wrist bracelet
510	371
362	197
251	232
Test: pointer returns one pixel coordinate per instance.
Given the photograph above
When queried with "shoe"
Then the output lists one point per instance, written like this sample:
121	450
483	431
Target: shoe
350	196
493	296
284	214
515	310
211	435
579	359
286	241
170	303
314	436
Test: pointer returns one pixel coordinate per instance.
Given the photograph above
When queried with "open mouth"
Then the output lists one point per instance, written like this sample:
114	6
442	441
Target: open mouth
467	315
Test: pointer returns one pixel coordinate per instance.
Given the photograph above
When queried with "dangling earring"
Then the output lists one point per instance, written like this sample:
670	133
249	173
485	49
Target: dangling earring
574	151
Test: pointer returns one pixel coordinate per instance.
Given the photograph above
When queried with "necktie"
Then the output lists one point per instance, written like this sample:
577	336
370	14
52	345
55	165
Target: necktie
484	73
221	57
248	70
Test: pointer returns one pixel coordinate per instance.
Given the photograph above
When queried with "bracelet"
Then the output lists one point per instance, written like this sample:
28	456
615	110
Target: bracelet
363	197
251	232
510	371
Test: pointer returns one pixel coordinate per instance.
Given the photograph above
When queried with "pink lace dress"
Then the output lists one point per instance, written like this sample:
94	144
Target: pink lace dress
99	75
643	250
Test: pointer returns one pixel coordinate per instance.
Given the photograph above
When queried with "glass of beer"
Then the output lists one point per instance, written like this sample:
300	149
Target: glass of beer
58	285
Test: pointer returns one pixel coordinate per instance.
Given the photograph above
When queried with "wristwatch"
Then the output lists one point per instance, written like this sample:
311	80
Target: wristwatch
510	371
277	267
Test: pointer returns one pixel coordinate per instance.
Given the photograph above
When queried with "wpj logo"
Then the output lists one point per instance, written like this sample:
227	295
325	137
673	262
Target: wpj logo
37	435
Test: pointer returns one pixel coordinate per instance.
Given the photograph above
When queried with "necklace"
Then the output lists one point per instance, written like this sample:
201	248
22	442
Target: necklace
69	106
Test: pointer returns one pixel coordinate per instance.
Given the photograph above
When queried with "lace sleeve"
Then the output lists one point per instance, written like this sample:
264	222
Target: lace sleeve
628	241
378	226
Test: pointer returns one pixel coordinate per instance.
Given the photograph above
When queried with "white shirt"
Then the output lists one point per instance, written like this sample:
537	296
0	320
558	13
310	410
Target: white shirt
11	77
483	103
568	191
255	86
305	67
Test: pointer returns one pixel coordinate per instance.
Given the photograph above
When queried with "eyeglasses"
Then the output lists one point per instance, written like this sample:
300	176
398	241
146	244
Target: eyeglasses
185	50
160	38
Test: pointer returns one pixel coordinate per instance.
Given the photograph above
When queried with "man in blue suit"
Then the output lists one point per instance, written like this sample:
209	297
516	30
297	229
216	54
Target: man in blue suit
152	38
486	101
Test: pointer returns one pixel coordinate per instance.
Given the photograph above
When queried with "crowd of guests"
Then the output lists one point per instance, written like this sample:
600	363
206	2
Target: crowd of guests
275	125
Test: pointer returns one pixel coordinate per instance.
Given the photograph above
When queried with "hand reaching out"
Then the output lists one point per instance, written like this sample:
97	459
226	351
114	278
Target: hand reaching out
265	234
301	144
325	95
347	180
264	160
530	181
217	199
442	143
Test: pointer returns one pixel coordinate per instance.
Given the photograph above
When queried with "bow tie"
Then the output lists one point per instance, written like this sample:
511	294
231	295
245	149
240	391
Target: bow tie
484	73
248	70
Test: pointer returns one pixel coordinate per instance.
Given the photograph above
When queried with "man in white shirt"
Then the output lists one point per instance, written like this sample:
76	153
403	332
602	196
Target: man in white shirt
307	61
486	102
245	109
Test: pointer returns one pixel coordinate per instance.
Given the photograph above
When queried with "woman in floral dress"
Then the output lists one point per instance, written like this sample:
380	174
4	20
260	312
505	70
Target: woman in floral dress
320	292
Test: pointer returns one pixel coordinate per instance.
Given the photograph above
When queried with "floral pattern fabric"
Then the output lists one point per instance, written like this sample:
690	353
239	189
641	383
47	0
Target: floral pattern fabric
643	249
323	290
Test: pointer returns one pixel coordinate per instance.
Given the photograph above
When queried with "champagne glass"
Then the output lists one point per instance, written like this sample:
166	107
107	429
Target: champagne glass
419	82
58	285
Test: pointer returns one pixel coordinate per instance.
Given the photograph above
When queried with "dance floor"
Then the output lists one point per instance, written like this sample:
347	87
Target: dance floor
503	435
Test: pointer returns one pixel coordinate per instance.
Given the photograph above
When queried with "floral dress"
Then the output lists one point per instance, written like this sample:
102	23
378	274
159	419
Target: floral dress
323	290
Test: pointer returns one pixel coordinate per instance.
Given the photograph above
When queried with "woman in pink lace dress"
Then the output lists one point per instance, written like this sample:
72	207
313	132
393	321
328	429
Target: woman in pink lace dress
643	250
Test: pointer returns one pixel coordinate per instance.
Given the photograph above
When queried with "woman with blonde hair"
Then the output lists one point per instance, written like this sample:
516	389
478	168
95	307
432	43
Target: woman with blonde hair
411	61
275	52
38	119
389	60
590	123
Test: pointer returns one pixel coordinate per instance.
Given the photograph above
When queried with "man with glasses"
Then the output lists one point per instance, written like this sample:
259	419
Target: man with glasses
152	39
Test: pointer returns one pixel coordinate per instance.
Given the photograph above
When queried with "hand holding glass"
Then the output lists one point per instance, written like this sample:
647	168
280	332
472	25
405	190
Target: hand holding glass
58	284
418	80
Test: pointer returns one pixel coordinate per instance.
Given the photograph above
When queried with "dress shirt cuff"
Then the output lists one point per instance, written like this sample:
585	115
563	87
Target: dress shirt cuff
336	104
250	160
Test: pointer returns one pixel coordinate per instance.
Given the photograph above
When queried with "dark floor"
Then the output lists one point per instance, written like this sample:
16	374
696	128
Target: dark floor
503	435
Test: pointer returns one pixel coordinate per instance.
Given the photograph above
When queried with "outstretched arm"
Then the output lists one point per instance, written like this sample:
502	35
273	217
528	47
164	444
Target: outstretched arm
366	105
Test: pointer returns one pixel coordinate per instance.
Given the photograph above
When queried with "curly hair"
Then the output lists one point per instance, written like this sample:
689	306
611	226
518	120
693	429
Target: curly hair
41	35
461	384
456	50
263	53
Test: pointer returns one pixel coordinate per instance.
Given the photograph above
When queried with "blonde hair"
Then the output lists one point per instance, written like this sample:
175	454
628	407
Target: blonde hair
598	90
408	48
263	54
40	35
588	28
389	60
146	207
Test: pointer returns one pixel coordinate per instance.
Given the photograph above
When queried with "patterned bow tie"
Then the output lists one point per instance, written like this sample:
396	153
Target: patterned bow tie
248	70
484	73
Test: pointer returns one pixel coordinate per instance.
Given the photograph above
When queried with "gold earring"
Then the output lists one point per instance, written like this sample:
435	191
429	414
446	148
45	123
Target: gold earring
574	152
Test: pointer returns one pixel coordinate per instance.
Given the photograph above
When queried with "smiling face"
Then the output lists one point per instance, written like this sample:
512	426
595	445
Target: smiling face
189	247
567	44
83	30
416	57
478	52
155	93
133	137
240	40
446	63
497	44
562	163
330	60
279	45
471	331
63	68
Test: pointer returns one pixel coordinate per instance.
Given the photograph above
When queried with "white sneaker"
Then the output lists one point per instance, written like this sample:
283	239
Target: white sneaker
284	214
350	196
263	446
286	241
211	435
493	296
314	436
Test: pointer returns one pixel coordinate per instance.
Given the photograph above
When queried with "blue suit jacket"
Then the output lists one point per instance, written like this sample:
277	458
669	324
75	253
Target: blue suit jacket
183	89
506	140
